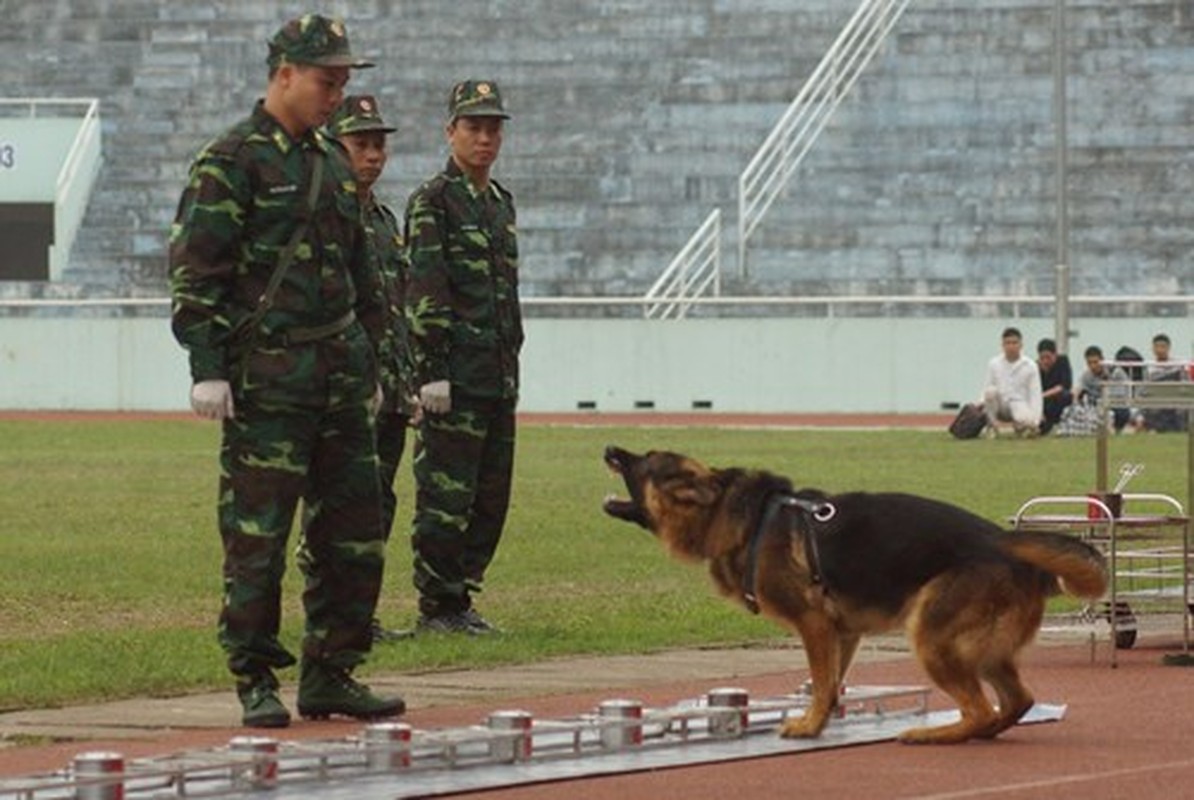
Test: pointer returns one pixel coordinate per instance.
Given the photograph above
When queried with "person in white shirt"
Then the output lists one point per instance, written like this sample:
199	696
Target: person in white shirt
1012	392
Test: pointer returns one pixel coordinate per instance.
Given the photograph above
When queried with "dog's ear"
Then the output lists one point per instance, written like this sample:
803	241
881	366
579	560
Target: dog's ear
697	489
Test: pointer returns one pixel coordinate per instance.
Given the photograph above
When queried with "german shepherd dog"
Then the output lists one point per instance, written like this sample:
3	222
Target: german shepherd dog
833	568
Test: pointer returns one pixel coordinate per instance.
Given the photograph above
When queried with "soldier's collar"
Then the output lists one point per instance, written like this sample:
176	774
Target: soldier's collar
454	171
269	127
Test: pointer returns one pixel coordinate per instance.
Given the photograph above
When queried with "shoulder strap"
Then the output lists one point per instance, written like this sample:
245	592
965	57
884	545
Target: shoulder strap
817	510
286	257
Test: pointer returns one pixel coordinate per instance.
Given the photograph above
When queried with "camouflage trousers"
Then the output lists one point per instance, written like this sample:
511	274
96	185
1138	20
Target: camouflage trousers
463	467
272	456
391	441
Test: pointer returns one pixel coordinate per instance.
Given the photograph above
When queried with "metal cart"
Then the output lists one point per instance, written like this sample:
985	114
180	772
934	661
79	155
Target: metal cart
1147	576
1151	574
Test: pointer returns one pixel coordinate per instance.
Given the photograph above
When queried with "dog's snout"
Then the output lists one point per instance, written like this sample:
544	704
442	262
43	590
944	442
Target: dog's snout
616	456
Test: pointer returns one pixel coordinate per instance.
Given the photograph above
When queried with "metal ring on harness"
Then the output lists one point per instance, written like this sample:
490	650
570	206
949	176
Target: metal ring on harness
821	512
824	512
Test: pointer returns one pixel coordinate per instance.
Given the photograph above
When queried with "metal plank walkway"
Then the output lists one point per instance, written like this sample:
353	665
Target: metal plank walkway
390	760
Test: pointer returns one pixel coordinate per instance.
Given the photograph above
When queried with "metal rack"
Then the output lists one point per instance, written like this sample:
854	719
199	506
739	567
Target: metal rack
1156	574
1153	574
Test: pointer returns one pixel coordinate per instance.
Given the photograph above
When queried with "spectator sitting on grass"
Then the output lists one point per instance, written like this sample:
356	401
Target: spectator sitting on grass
1096	377
1012	392
1164	368
1057	380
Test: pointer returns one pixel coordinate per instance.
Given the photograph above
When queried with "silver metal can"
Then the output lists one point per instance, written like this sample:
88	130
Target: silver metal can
387	745
516	747
261	770
99	776
622	724
725	723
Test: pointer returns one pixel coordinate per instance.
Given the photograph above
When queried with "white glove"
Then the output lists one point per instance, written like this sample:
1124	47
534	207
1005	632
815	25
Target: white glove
213	400
436	397
375	401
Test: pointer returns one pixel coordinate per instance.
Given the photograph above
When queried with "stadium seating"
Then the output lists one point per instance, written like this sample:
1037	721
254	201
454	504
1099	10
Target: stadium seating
634	118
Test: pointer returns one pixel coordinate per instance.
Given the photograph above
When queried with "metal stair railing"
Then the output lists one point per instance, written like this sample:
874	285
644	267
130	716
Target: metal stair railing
792	137
697	266
695	270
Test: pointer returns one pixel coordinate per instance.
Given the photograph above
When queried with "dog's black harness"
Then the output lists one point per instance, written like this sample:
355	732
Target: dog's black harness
820	511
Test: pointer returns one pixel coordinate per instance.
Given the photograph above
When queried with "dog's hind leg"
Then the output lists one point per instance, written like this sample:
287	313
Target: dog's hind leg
1016	628
1014	697
951	655
977	714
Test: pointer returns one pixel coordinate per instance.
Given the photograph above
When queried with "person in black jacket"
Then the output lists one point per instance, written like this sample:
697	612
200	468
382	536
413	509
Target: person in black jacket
1057	381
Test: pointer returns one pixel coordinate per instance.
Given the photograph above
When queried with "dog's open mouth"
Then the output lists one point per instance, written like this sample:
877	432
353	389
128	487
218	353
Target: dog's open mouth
619	462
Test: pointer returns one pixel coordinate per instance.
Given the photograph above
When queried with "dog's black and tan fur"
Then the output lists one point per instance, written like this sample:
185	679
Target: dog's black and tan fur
969	594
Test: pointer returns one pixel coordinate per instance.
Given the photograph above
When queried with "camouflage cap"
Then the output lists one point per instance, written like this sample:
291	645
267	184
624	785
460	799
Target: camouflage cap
358	114
315	40
476	99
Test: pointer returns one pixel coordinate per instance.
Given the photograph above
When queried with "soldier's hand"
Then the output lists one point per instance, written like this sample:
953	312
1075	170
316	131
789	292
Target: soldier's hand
436	397
213	400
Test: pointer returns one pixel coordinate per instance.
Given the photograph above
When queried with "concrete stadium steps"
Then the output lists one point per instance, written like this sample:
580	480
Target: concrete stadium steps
633	119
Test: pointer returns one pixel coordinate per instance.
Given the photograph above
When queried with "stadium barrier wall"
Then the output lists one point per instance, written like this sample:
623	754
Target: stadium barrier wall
765	365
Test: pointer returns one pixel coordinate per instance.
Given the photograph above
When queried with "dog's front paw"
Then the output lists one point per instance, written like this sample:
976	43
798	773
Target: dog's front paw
801	728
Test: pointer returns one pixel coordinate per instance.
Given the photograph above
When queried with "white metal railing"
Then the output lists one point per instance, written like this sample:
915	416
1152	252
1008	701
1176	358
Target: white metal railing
792	137
695	270
75	182
697	266
1011	305
36	106
79	171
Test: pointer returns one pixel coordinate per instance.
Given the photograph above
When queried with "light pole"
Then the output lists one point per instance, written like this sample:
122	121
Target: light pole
1062	264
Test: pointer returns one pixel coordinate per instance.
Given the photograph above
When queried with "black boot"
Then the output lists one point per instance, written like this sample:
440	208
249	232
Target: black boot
325	690
259	699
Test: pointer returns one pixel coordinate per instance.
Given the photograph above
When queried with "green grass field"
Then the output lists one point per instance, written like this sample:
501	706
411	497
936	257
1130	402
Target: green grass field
110	560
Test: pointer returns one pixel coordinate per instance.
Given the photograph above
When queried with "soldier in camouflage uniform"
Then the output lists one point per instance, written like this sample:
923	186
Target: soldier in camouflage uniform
466	333
359	127
281	309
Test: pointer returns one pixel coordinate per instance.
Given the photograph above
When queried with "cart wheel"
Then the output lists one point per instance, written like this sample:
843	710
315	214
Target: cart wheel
1125	639
1125	624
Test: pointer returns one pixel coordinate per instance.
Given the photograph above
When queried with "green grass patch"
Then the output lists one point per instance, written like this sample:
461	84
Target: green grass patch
110	558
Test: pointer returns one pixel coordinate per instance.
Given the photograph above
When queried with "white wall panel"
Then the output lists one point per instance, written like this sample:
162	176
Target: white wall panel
740	365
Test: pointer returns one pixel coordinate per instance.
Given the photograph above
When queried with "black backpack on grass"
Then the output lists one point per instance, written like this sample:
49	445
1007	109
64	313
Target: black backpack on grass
969	423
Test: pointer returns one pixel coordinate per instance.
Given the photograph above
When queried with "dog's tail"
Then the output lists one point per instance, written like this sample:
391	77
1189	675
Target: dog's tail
1081	569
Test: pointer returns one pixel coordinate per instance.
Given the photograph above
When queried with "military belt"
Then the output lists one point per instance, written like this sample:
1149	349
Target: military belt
315	332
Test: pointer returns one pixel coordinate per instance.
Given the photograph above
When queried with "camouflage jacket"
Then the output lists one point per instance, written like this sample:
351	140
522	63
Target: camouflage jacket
462	296
390	252
246	192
